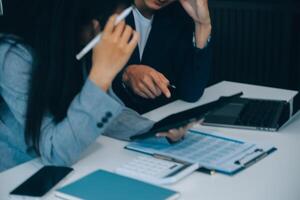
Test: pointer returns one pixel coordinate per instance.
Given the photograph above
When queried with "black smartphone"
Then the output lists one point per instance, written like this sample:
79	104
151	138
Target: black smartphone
42	181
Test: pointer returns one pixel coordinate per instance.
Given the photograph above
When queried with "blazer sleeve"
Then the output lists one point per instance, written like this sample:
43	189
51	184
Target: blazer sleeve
90	113
194	68
127	124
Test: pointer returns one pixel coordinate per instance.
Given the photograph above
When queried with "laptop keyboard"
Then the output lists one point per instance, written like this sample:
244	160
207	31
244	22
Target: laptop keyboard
258	113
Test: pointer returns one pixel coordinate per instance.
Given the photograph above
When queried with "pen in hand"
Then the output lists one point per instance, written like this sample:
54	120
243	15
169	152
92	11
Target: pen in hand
172	86
96	39
171	89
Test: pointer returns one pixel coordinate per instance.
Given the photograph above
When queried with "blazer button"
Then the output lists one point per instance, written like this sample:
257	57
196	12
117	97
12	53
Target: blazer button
108	114
104	120
99	125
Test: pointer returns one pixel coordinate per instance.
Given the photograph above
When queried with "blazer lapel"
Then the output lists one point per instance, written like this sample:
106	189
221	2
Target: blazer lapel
159	38
135	58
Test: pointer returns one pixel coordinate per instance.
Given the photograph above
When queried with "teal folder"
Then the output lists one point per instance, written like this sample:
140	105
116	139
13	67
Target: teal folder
106	185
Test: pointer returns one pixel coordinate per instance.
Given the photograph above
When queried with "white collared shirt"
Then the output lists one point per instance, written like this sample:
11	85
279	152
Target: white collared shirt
143	25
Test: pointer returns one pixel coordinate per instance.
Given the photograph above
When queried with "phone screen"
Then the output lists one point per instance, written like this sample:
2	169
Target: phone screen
42	181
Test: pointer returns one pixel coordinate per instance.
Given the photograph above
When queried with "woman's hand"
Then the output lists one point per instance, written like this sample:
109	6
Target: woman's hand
175	135
112	53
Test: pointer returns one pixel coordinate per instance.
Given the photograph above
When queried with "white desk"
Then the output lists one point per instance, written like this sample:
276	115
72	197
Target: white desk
276	177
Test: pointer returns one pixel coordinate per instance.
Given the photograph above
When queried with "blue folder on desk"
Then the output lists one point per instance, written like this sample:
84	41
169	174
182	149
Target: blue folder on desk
106	185
222	154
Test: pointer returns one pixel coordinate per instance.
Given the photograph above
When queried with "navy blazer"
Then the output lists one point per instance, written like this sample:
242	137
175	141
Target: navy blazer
171	51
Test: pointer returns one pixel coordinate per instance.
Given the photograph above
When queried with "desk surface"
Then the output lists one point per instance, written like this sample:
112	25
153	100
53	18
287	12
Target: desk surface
276	177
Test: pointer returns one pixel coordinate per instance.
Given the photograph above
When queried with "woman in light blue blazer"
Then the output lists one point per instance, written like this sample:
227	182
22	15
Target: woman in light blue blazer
52	105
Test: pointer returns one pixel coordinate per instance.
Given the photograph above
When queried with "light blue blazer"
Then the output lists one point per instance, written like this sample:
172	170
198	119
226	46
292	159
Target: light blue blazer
91	113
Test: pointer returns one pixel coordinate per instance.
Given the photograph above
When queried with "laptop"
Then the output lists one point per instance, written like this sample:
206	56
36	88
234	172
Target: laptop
258	114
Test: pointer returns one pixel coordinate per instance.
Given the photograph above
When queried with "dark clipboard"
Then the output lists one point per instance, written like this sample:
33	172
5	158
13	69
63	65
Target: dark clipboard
183	118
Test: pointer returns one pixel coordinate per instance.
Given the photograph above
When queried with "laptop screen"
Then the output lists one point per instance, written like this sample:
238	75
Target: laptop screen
296	103
1	8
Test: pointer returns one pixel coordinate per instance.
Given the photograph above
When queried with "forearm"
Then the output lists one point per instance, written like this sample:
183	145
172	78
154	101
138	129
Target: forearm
198	10
194	75
88	116
127	124
202	34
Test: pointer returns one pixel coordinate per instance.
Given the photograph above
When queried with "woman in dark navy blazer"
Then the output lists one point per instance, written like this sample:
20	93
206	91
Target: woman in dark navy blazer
176	52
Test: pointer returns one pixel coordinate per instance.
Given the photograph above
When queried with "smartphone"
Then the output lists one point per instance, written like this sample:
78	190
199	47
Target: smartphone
42	181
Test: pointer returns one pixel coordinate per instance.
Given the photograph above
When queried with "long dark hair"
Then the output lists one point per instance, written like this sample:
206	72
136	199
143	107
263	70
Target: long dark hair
56	78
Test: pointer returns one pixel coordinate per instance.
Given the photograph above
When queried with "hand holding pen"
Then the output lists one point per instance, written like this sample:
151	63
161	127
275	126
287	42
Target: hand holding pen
112	53
147	82
97	39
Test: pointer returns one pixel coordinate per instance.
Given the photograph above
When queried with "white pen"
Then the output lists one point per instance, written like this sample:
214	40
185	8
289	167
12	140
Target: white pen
96	39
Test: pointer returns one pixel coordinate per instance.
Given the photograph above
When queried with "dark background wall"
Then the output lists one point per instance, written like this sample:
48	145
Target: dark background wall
256	41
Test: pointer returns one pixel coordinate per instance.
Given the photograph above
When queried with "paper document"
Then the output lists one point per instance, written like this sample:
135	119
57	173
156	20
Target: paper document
219	153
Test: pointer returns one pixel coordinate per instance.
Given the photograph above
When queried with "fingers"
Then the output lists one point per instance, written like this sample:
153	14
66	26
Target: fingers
176	134
113	52
126	34
141	93
118	31
109	27
155	84
164	79
144	79
142	88
162	84
151	86
129	38
173	134
190	125
133	42
121	33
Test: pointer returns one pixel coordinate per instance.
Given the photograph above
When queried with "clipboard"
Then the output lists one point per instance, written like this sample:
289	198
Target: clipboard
221	154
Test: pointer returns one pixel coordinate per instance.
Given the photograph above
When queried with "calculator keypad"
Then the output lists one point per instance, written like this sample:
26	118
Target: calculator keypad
146	167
